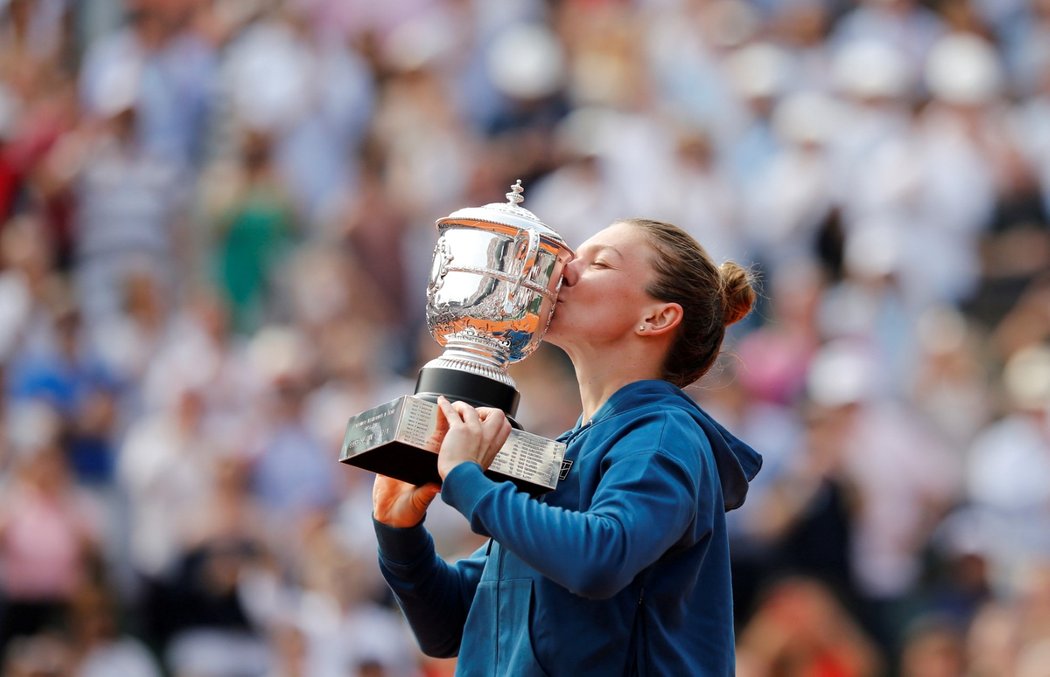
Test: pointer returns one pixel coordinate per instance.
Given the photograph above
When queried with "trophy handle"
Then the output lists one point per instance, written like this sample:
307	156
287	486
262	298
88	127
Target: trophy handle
527	260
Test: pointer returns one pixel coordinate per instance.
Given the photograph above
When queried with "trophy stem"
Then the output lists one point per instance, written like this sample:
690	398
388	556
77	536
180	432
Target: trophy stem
469	353
484	352
474	389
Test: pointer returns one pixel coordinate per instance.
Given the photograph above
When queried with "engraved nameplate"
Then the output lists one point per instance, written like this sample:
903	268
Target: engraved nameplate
400	439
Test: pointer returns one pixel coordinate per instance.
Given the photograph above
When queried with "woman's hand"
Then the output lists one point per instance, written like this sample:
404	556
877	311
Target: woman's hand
401	504
474	435
469	435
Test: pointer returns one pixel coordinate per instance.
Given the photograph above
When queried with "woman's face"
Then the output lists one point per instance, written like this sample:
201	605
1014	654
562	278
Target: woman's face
603	297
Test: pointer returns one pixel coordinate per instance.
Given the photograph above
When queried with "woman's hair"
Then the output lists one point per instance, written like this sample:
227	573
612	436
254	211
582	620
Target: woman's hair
712	297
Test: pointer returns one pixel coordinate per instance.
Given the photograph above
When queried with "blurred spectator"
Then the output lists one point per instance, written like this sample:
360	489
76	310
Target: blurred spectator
50	537
41	655
696	195
763	547
683	48
163	66
128	344
959	577
23	277
209	630
993	641
1024	43
100	648
1033	606
801	629
908	26
311	94
129	200
948	379
577	196
198	350
790	201
760	74
59	367
1008	460
933	649
775	357
254	223
870	306
371	225
874	82
1026	322
800	27
339	609
906	480
166	468
815	504
962	128
291	472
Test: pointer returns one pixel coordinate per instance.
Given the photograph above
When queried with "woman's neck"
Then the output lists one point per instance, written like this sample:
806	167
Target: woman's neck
602	374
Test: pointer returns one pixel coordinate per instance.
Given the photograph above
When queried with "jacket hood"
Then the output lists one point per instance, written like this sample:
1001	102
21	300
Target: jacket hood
736	461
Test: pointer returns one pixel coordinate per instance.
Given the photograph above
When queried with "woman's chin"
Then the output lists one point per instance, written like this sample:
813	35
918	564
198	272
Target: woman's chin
553	333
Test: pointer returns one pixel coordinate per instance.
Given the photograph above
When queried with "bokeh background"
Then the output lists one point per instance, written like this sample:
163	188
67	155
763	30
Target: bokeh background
216	226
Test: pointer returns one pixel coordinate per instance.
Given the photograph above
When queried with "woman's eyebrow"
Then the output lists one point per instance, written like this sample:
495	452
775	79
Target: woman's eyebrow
596	249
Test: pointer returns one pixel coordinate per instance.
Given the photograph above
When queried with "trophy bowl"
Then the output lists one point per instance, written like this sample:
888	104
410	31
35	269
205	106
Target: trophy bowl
494	281
493	285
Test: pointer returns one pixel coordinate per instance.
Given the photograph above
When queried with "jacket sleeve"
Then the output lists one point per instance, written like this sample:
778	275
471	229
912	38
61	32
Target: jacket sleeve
645	503
434	595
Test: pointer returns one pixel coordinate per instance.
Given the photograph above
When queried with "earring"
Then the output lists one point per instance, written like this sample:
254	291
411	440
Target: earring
641	328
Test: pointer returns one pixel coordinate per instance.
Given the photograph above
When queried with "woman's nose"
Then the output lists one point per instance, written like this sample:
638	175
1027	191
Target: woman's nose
570	273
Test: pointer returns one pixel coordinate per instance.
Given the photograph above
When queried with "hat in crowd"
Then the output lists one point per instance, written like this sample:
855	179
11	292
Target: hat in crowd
1026	377
871	69
32	424
420	43
841	373
963	69
807	118
116	89
587	131
526	61
281	354
874	248
269	74
759	70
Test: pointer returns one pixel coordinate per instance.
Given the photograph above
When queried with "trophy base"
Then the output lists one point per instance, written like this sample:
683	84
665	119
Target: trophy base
475	390
399	439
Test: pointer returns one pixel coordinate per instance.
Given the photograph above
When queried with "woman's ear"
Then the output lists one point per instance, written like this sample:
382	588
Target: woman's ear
661	319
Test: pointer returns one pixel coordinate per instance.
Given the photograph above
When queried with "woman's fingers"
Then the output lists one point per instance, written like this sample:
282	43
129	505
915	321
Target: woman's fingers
458	412
475	434
447	409
493	420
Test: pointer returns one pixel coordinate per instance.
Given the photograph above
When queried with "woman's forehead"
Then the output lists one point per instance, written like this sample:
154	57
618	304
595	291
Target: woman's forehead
614	237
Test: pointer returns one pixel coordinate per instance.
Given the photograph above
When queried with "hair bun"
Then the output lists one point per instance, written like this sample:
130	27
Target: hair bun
738	294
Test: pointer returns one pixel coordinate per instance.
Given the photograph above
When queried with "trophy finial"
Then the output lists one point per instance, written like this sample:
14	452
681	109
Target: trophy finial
514	197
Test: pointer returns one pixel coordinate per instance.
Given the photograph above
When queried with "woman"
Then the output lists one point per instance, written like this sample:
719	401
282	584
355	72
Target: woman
624	568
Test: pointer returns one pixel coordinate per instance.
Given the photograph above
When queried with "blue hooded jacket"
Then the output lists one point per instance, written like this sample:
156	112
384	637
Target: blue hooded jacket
623	569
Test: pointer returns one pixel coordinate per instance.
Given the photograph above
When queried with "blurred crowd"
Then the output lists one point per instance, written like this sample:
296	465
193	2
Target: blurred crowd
216	228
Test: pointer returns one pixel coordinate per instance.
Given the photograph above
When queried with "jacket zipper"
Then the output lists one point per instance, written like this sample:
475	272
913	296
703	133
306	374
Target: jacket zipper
499	583
575	433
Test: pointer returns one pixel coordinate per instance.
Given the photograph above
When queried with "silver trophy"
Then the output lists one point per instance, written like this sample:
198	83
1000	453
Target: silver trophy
493	285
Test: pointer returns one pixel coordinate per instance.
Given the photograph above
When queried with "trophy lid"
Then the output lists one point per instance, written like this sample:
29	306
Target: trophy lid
509	213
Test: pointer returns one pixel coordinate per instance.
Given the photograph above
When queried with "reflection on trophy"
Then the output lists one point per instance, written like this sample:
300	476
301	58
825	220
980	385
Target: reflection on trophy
493	285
